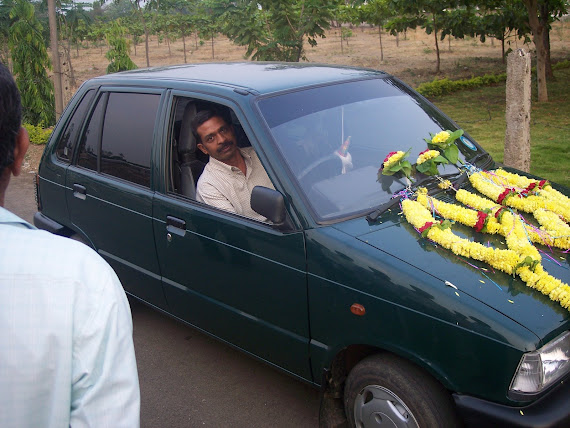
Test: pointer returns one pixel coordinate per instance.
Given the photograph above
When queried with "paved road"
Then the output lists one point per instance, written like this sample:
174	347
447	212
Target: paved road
191	380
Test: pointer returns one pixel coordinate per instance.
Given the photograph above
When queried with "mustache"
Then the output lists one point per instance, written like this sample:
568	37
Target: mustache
225	144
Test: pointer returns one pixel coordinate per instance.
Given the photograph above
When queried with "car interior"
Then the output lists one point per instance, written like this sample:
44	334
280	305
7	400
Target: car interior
187	161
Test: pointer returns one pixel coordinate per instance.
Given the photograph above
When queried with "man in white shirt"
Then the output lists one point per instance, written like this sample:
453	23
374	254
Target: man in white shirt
232	172
66	350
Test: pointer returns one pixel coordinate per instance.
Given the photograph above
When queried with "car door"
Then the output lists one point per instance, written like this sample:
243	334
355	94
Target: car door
108	187
236	278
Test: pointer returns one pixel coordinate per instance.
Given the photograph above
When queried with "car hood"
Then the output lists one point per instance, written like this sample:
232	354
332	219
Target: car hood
506	294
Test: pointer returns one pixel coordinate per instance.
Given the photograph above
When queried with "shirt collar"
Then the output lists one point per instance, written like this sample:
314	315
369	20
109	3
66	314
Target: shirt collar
224	166
6	217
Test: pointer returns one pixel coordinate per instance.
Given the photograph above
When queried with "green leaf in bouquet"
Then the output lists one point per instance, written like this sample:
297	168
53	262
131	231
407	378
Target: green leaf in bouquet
451	153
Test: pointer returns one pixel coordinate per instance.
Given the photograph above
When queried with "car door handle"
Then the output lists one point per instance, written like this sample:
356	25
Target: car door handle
175	225
79	191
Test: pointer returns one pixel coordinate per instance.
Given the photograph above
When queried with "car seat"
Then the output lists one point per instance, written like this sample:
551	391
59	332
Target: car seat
190	167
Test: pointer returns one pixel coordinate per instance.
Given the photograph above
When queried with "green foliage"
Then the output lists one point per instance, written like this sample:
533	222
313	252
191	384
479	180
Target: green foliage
38	135
118	53
272	29
30	60
445	86
481	113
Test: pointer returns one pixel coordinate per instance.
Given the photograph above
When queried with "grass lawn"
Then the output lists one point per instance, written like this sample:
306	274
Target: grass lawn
481	113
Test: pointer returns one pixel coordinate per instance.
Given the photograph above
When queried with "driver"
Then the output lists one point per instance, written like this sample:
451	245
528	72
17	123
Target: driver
231	173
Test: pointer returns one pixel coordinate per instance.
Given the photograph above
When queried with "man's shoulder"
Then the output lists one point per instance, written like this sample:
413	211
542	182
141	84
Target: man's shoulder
45	252
250	151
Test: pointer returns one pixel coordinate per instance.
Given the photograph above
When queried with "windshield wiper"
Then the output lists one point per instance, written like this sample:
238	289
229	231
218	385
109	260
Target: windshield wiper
425	182
476	158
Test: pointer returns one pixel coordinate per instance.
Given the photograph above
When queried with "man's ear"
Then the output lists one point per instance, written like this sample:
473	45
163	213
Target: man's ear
202	148
20	149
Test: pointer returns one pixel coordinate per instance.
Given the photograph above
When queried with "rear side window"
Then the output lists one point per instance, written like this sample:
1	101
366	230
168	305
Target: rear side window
127	137
89	147
64	150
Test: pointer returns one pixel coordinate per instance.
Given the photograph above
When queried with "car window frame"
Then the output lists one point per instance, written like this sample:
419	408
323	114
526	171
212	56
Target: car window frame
105	91
165	158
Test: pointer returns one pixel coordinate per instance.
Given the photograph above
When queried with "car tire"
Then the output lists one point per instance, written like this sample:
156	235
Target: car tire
386	390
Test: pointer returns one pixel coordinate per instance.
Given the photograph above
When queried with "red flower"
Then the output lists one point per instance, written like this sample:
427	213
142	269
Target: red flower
389	156
530	187
503	195
481	221
425	226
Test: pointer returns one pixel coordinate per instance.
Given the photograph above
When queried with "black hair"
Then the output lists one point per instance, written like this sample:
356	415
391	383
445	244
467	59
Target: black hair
10	117
201	117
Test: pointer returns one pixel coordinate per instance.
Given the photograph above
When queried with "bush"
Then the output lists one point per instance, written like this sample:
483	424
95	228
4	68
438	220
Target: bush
37	134
446	86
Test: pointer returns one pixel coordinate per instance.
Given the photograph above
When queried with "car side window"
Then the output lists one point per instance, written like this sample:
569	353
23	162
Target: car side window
64	150
89	146
128	132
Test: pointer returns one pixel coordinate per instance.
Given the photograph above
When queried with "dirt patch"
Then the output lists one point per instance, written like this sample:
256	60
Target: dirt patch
411	56
32	159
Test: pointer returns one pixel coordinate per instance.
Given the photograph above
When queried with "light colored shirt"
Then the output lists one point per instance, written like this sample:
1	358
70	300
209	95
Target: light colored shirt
226	187
66	350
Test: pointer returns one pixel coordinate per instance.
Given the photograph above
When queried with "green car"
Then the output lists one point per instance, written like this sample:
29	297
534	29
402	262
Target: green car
347	284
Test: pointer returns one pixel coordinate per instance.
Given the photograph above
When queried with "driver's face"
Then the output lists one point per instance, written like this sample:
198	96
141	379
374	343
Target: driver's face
217	139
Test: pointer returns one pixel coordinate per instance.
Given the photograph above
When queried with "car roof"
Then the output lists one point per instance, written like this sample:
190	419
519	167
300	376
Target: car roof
255	77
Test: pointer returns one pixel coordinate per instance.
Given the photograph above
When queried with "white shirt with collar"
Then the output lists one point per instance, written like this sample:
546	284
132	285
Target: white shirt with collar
66	350
226	187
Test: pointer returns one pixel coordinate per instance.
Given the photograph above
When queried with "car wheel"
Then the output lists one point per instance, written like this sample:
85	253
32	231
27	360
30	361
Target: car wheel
387	391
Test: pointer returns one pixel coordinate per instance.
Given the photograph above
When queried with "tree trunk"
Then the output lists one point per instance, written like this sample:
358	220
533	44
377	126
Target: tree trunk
135	43
381	48
544	17
184	47
437	68
538	38
397	39
212	45
58	92
503	48
341	45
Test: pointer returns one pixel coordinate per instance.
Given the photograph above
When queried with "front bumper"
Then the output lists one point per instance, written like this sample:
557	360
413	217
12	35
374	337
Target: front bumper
551	410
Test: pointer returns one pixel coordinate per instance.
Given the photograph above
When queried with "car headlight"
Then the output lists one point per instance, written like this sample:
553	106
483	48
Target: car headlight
541	368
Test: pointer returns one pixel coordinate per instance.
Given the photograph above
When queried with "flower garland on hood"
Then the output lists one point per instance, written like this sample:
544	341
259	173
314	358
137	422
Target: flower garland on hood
515	260
494	214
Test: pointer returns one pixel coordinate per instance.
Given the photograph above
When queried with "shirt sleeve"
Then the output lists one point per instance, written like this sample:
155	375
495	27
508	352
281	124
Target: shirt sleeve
208	194
105	386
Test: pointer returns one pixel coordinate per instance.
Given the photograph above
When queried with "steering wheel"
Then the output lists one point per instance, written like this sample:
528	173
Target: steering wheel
314	165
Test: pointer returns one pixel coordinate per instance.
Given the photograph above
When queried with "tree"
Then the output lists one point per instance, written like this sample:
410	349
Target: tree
30	60
272	29
538	30
118	53
500	19
54	45
377	12
428	14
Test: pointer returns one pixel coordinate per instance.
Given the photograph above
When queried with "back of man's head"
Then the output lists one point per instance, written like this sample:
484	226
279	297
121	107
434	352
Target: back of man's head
10	117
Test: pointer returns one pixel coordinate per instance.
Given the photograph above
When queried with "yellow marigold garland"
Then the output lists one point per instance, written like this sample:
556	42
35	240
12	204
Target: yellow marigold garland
484	183
554	233
512	261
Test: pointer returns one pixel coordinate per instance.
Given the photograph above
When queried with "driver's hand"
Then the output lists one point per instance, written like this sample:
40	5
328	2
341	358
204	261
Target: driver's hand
346	160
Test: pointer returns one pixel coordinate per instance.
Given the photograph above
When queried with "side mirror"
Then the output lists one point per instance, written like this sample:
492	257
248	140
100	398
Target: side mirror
270	204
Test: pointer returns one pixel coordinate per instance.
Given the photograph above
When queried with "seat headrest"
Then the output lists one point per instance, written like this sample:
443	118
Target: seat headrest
187	142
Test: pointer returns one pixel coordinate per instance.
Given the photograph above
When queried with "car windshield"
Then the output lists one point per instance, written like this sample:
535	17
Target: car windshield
334	139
